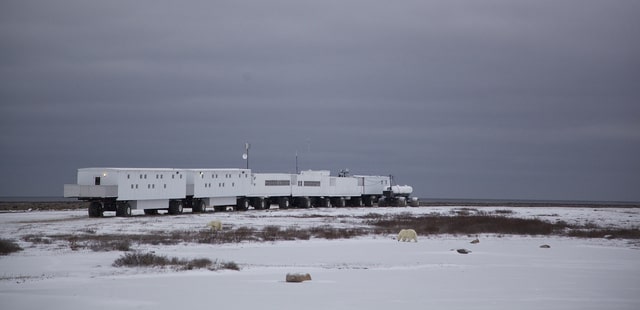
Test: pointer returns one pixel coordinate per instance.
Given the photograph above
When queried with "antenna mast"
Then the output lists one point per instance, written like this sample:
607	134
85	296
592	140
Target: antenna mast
246	153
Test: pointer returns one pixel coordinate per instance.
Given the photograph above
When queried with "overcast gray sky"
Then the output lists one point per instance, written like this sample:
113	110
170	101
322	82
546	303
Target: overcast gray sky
461	99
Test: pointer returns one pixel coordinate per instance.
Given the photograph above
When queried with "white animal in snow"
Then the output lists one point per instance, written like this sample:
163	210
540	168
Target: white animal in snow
215	225
408	235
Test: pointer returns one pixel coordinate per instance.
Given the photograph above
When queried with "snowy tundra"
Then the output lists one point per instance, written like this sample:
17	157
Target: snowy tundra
502	272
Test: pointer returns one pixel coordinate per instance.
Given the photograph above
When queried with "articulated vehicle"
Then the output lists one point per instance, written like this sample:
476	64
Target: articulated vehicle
398	195
125	189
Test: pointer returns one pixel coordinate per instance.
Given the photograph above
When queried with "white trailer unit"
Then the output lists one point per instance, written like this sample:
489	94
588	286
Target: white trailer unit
345	190
372	187
269	188
217	188
124	189
310	185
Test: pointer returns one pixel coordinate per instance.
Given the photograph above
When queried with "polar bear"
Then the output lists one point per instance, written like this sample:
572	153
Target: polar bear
215	225
408	235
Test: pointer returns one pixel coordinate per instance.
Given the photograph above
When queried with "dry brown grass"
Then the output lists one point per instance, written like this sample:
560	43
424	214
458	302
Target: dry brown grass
8	246
467	221
467	224
137	259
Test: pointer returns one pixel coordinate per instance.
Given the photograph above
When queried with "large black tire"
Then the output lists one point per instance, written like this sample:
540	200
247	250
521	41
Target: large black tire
325	202
123	209
95	209
304	202
355	201
242	204
367	200
258	203
198	206
283	203
338	202
382	202
175	207
402	202
414	203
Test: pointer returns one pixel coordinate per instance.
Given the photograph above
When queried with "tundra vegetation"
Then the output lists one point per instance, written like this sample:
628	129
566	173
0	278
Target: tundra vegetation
8	246
460	222
135	259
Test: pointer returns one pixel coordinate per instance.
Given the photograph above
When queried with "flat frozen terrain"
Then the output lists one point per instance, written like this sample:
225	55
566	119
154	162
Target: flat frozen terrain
370	272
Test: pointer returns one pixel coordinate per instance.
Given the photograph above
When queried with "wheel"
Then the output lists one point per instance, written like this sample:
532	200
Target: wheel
325	202
414	202
382	202
402	202
356	201
95	209
368	201
175	207
198	206
242	204
258	203
339	202
123	209
304	202
283	203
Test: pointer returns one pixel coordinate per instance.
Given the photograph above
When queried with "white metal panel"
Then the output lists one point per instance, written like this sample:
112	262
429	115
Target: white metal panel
151	184
311	184
97	191
137	183
211	183
150	204
374	185
220	201
270	185
344	187
103	176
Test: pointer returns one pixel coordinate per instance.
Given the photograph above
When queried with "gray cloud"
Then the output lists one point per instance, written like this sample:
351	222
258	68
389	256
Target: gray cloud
462	99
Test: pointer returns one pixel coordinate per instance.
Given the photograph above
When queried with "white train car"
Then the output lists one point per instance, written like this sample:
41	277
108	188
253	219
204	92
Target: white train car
373	187
124	189
314	189
345	190
270	188
309	187
216	188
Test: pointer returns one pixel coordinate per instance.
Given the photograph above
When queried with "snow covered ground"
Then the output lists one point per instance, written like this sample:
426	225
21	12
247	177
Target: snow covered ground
371	272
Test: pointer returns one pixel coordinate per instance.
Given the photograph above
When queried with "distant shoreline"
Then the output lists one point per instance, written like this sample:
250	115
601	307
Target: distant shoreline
525	203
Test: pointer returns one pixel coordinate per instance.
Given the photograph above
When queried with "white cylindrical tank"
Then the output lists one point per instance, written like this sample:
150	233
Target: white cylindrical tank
402	189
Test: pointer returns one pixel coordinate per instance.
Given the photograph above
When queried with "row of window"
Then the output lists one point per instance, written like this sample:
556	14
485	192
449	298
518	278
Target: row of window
158	176
208	185
266	183
309	183
149	186
277	182
227	175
